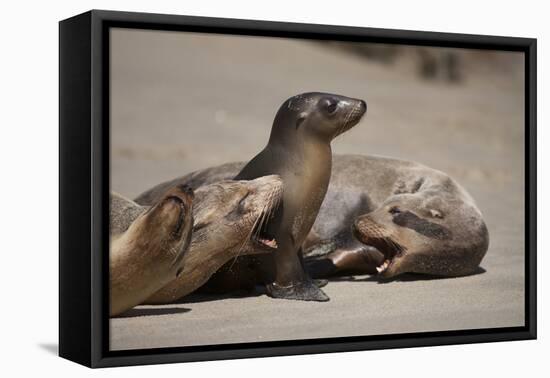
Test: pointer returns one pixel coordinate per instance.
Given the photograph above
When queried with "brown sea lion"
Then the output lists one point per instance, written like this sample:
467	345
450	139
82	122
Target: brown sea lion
408	218
299	152
147	245
228	219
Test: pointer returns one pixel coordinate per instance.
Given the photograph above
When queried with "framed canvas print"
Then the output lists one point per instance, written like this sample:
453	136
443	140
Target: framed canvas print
233	188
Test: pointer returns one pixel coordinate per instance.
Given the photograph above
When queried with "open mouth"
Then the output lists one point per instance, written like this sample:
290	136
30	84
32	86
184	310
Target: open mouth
390	249
267	241
262	237
385	245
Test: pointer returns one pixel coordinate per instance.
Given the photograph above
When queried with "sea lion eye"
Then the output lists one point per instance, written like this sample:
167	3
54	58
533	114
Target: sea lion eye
435	213
331	107
394	210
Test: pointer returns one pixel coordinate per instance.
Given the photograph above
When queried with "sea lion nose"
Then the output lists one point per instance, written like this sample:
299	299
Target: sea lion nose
363	104
186	189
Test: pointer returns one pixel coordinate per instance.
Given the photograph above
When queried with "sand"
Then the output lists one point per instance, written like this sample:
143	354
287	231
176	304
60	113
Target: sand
185	102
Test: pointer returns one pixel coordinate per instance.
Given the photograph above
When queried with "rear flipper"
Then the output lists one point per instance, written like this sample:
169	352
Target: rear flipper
355	260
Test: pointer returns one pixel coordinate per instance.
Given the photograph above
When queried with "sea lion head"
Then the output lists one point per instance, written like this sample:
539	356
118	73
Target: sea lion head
322	115
150	251
229	215
228	220
424	233
165	228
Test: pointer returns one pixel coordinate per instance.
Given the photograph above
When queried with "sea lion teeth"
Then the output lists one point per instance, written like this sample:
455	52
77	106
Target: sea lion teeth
269	242
383	267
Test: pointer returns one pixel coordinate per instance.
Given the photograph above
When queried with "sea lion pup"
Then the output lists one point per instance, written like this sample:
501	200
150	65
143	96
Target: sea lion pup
147	245
299	152
228	219
421	220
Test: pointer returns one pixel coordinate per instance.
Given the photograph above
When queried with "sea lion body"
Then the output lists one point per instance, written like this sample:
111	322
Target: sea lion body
445	235
406	218
147	246
299	152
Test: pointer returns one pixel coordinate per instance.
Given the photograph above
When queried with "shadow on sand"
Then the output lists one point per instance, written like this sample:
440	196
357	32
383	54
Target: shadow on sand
260	290
406	277
151	311
207	297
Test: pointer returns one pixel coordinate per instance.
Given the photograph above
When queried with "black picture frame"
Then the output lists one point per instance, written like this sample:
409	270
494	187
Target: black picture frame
84	187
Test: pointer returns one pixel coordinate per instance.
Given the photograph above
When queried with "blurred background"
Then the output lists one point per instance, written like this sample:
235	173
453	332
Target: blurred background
183	101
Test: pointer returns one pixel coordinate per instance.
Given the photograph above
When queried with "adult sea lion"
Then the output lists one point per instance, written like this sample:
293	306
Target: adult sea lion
228	217
406	218
147	245
299	152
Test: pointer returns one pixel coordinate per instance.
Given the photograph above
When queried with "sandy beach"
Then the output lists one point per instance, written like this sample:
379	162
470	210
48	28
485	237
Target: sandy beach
182	102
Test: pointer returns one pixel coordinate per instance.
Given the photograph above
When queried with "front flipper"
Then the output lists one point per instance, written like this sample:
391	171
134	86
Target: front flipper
352	261
321	268
302	291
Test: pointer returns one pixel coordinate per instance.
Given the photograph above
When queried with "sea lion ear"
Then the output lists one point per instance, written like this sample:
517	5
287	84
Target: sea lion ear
301	118
435	213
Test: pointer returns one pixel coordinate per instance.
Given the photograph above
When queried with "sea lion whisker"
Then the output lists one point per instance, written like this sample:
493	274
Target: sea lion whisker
348	119
257	228
265	215
350	115
262	216
254	232
267	211
343	125
245	240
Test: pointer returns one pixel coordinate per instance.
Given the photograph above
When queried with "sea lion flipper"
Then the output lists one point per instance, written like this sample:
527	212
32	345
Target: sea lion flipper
320	282
321	267
352	260
303	291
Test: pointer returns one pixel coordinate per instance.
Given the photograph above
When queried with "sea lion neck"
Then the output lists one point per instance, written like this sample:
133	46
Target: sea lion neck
282	134
300	150
297	142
